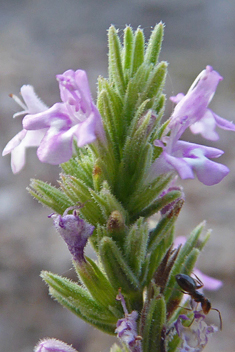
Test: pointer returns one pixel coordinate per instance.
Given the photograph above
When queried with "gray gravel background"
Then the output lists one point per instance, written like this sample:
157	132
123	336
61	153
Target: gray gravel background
39	39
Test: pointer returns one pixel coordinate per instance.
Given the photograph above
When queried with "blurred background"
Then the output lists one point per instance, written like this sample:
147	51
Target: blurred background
39	39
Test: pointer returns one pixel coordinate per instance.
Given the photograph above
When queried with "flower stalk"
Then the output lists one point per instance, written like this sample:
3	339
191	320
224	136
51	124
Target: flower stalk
119	163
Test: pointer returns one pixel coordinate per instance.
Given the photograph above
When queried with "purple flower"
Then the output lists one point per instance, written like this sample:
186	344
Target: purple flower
184	157
24	139
53	345
74	230
195	337
193	106
127	328
76	117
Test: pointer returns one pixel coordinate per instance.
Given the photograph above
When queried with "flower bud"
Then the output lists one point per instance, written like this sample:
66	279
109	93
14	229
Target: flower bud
53	345
115	222
75	231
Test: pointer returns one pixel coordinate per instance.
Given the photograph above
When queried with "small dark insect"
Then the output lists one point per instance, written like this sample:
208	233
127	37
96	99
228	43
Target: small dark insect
190	287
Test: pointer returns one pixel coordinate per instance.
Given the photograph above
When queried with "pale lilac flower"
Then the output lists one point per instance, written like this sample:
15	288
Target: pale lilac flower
187	158
195	337
184	157
127	328
53	345
74	230
191	109
193	106
25	139
76	117
210	283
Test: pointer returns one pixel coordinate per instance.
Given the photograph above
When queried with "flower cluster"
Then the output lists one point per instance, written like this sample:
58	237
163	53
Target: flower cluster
191	111
119	167
126	328
195	337
53	130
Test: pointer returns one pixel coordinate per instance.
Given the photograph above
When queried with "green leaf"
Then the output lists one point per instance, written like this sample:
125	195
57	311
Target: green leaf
110	106
146	195
104	326
164	225
173	293
78	300
136	245
138	52
96	283
134	88
116	268
49	196
116	74
80	167
154	85
154	44
107	202
91	210
161	202
154	323
154	258
127	50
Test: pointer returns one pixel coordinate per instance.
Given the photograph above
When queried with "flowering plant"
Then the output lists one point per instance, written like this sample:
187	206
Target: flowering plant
119	163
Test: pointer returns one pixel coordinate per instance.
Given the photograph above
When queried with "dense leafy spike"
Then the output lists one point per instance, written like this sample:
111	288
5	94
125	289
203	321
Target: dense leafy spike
49	196
136	245
154	324
154	44
117	269
138	50
128	49
116	74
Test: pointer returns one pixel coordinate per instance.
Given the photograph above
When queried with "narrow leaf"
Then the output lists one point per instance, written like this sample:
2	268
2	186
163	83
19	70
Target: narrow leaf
116	268
154	44
154	324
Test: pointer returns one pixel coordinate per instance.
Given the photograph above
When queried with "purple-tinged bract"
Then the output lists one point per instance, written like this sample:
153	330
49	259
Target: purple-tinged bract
75	232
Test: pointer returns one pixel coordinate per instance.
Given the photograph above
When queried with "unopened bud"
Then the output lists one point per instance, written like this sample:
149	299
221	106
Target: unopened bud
115	222
53	345
74	230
